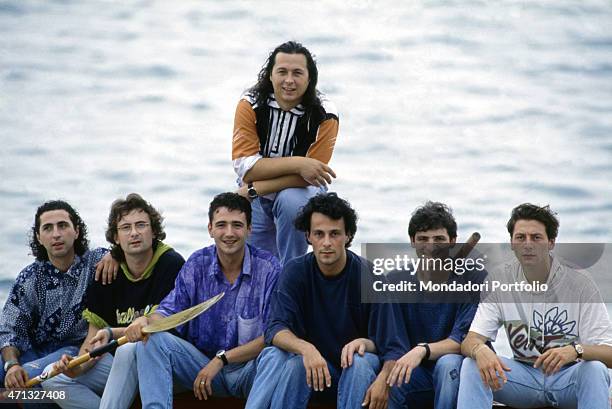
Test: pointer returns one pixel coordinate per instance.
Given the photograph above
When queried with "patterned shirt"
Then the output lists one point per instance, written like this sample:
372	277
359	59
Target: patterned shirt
240	316
44	305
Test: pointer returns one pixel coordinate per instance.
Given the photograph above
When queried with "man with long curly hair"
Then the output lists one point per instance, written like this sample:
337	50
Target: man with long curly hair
284	136
41	319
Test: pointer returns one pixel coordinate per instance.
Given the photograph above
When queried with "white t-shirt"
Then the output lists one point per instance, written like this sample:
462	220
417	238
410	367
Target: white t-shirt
571	310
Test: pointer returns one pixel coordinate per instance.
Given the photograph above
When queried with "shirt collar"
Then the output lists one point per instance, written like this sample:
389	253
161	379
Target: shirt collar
215	268
73	271
297	110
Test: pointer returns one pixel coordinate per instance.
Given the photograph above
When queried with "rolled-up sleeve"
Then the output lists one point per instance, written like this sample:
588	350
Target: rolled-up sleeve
245	142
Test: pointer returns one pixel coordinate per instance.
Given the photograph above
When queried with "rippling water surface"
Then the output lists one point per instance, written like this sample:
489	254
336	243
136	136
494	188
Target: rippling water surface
480	106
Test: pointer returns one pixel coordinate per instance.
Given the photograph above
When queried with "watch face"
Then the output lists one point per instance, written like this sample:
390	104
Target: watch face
579	349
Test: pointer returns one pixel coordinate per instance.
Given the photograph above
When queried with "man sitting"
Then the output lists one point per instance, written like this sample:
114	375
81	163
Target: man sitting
149	268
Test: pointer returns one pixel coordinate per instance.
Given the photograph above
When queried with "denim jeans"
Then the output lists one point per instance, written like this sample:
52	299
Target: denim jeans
165	358
35	361
281	381
582	385
437	385
111	384
84	391
272	224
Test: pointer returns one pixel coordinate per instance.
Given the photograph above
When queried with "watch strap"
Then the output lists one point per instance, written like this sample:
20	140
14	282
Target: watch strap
9	364
222	357
427	350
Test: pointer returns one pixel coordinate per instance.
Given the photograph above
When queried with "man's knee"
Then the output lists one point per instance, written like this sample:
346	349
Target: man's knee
154	343
126	351
592	371
469	369
272	355
294	368
448	367
364	365
289	201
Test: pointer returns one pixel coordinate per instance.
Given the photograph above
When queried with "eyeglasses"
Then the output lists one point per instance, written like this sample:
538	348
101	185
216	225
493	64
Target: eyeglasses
127	228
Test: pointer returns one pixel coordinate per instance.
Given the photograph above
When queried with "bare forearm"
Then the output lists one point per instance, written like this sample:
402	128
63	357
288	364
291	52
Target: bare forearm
271	168
10	353
246	352
444	347
277	184
601	353
471	341
286	340
386	371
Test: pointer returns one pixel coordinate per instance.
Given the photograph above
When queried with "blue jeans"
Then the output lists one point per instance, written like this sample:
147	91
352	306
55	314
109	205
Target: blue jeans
111	384
583	385
281	381
272	224
428	384
35	361
165	357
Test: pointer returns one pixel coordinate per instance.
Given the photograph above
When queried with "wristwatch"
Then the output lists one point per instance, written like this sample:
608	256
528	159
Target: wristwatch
221	355
252	192
579	350
9	364
427	350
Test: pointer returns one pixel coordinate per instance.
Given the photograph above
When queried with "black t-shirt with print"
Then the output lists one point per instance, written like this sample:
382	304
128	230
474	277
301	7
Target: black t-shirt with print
122	301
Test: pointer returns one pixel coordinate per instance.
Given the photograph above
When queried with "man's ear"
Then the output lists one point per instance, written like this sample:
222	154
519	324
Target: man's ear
210	229
412	242
551	244
307	234
78	232
453	241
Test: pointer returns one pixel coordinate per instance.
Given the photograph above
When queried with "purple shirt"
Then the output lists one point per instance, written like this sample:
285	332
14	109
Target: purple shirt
240	316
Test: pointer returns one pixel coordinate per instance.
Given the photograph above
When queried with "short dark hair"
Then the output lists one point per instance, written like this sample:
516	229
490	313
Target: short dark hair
330	205
120	208
81	244
432	215
232	201
263	87
542	214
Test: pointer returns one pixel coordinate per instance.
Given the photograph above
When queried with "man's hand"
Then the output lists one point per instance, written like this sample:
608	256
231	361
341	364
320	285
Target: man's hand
315	172
107	268
61	366
553	359
244	192
359	345
377	395
202	385
134	331
405	365
101	338
491	367
16	377
317	373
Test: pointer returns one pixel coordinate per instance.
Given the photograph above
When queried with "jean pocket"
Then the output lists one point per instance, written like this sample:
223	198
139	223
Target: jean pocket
249	329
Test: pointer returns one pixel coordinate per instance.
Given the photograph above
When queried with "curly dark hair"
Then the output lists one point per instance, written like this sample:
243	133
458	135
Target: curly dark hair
81	244
232	201
432	215
263	87
120	208
544	215
330	205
